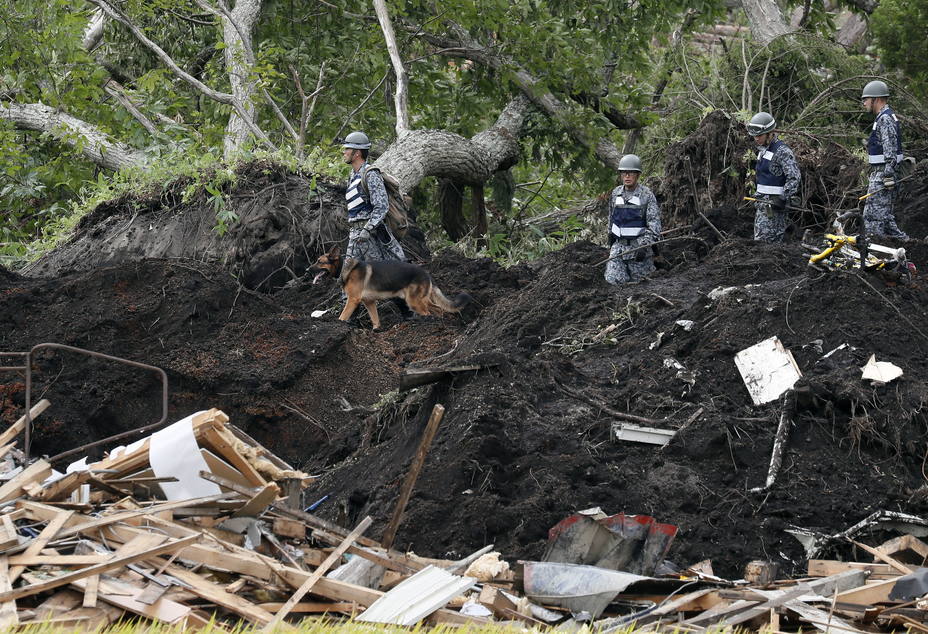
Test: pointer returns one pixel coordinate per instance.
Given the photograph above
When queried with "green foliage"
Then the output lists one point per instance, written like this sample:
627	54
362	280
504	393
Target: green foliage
899	28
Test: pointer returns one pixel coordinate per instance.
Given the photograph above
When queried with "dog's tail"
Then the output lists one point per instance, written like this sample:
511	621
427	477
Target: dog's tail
440	301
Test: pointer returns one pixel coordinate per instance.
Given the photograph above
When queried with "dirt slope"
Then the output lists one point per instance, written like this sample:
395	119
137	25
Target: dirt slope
525	441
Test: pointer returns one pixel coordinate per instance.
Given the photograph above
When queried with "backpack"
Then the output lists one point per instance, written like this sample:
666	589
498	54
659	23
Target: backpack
398	211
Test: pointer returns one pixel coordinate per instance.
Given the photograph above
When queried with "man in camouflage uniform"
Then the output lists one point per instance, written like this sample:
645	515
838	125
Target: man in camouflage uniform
778	179
635	221
369	238
884	153
366	197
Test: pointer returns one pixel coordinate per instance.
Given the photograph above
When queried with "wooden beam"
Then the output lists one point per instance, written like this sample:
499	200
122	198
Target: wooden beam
317	574
36	472
428	435
116	562
16	428
259	501
35	546
827	567
217	594
8	615
883	557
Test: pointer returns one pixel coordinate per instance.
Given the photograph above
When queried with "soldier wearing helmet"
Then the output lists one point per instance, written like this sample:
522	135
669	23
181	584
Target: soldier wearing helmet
634	224
884	153
369	238
778	179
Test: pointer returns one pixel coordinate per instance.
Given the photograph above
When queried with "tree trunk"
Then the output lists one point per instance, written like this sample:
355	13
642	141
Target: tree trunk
480	212
766	20
93	143
421	153
451	205
237	38
852	32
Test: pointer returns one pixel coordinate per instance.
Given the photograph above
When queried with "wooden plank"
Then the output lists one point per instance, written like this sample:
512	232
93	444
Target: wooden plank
218	444
283	509
59	603
124	596
36	472
90	524
259	501
62	487
903	543
883	557
317	574
313	607
36	545
413	377
9	535
431	428
289	528
820	619
217	594
58	560
90	591
8	615
869	594
114	563
828	567
16	428
741	611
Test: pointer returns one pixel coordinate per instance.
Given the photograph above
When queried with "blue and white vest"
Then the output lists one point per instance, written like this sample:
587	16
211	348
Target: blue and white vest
628	216
875	148
358	208
767	181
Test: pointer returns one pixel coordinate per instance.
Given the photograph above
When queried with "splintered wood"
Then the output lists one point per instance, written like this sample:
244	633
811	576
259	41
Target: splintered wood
195	527
184	527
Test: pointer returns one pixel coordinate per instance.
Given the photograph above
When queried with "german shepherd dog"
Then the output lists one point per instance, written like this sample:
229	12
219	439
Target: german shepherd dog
366	282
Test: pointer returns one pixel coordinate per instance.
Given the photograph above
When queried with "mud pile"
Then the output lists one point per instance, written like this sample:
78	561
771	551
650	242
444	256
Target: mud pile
525	440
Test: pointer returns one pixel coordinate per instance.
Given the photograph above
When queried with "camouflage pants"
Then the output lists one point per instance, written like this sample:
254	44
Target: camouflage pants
373	248
622	269
878	210
769	225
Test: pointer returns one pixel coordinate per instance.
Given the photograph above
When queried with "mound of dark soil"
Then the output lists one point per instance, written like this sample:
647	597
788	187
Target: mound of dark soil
527	439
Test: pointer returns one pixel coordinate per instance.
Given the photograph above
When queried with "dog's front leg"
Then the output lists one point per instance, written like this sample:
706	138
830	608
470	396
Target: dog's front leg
350	306
371	306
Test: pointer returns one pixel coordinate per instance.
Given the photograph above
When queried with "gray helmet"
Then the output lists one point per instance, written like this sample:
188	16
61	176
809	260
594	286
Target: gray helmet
761	123
875	88
357	141
630	163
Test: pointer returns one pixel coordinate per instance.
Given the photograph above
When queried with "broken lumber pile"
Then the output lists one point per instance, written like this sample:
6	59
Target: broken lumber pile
199	525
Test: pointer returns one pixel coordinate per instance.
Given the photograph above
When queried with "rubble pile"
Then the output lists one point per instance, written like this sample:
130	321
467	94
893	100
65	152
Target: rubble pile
562	394
191	527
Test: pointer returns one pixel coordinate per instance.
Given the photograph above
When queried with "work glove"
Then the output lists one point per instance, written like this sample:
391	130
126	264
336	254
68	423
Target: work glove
778	204
889	183
364	234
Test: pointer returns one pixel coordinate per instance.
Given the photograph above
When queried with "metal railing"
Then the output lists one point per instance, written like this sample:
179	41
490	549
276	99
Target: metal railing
26	368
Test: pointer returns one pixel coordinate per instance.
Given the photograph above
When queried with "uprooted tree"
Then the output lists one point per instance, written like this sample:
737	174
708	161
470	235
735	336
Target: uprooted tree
127	83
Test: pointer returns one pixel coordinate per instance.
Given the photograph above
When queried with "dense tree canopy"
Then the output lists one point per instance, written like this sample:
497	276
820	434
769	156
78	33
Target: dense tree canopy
116	84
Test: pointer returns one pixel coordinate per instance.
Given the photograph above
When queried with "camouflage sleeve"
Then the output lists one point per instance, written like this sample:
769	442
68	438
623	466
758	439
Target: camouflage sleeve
654	217
889	142
785	165
378	194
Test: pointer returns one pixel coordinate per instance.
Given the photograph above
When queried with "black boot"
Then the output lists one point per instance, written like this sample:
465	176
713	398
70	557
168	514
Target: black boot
405	313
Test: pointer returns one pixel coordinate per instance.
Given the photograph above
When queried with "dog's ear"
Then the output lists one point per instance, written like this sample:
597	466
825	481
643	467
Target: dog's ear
334	252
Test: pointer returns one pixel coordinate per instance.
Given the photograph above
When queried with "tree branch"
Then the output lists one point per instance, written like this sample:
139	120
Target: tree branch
215	95
93	143
402	79
115	90
463	46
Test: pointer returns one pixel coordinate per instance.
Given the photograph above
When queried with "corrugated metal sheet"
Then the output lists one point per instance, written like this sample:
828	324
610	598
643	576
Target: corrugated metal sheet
417	597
